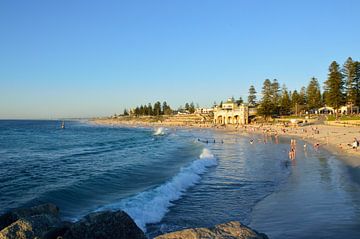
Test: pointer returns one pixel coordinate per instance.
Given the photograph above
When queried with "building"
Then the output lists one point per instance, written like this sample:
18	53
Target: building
231	113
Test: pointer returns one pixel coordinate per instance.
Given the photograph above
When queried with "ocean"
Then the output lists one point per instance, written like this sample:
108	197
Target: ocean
170	179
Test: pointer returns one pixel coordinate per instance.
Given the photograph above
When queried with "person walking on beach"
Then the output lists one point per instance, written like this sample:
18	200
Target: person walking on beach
355	144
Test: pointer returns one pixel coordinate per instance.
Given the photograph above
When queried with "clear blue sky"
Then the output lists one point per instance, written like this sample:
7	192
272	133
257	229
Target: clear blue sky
73	58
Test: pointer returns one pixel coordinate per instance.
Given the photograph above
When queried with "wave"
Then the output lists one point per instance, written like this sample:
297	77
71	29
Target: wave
151	206
159	131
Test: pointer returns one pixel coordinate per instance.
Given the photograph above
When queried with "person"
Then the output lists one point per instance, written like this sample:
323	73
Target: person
292	153
355	144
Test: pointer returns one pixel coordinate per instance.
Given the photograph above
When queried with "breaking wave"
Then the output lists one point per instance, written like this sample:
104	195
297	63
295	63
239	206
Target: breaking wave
151	206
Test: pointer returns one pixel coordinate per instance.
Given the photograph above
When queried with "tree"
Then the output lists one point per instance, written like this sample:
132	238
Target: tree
295	101
275	96
166	109
187	106
313	94
125	112
142	111
285	102
239	101
266	106
302	96
150	109
137	111
351	82
357	82
157	108
252	96
191	108
334	87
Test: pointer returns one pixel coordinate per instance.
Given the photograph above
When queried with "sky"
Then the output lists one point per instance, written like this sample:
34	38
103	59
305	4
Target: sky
72	58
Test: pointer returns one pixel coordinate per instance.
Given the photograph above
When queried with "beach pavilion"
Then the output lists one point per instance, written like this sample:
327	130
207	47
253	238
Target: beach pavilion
231	113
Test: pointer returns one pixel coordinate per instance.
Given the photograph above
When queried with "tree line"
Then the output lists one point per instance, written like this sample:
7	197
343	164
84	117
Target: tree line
341	87
151	110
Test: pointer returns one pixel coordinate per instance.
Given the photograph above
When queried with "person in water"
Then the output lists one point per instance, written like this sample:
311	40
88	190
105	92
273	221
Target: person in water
292	154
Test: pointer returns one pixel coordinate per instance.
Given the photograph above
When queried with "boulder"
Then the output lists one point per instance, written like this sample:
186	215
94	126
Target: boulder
107	224
11	217
230	230
29	227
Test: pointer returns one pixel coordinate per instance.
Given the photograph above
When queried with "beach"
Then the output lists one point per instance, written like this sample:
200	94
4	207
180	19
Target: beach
335	138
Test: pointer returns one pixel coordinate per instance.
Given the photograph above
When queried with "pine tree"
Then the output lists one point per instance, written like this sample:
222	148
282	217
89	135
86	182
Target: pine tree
351	83
266	107
295	101
252	96
313	94
142	112
126	113
275	95
285	102
150	109
187	106
357	82
157	108
239	101
191	108
302	95
166	109
334	87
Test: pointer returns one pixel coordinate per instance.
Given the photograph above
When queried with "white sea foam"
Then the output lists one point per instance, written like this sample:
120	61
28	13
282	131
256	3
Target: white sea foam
151	206
159	131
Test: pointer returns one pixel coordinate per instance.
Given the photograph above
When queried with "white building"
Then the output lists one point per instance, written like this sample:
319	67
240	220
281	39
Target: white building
231	113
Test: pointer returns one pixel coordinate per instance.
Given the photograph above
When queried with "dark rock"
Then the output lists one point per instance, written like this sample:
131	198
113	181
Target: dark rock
230	230
57	232
110	225
11	217
30	227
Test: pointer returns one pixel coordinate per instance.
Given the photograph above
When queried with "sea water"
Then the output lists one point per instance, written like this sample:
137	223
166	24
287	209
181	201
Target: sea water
170	179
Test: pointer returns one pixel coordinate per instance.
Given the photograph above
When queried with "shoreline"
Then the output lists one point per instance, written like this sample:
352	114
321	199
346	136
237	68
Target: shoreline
333	138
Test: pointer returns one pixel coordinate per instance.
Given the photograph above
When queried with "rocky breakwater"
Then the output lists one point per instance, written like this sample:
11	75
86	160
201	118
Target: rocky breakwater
43	222
230	230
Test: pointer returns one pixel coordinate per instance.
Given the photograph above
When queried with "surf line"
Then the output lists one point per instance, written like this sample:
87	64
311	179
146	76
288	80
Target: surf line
151	206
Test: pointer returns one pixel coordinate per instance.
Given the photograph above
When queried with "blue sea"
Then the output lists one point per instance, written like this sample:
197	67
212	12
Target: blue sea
170	179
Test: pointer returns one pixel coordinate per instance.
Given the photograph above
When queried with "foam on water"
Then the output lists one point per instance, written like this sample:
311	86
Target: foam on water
159	131
151	206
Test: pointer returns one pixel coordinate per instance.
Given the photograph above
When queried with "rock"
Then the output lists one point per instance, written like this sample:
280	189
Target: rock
107	224
11	217
34	222
30	227
230	230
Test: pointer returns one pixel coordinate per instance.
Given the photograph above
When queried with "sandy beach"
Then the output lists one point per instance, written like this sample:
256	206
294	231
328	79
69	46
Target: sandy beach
337	139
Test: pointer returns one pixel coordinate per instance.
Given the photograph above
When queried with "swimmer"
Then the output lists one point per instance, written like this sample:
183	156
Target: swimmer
292	154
